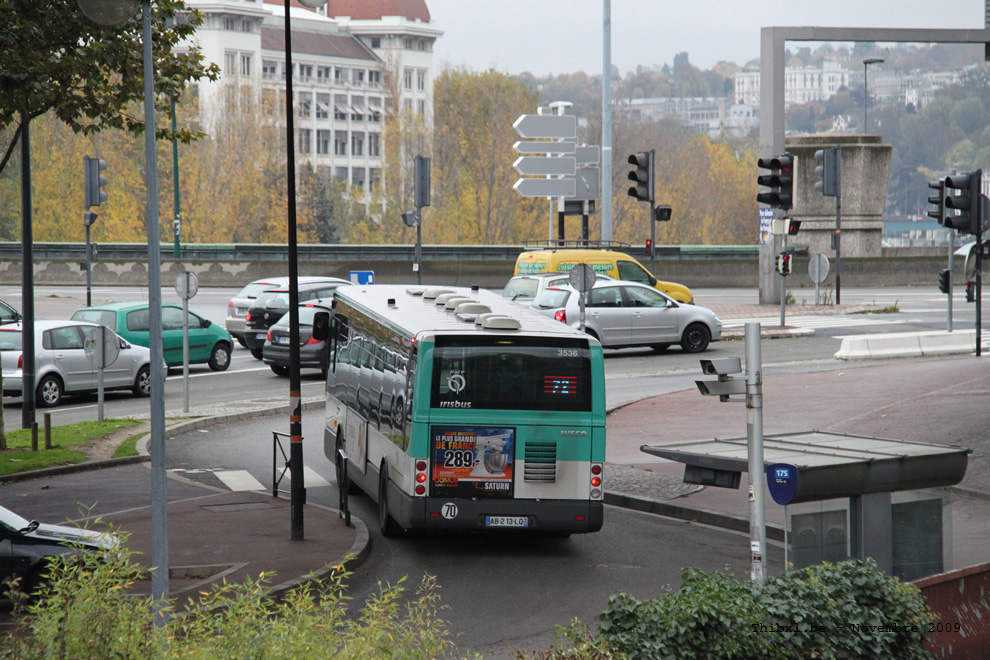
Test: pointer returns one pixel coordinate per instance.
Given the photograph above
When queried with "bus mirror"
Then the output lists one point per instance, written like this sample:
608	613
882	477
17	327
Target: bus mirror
321	326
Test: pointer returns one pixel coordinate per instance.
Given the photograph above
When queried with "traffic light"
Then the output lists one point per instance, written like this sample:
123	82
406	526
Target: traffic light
411	218
649	247
791	227
944	278
784	264
938	200
662	214
970	291
422	182
94	181
780	181
642	176
827	171
967	202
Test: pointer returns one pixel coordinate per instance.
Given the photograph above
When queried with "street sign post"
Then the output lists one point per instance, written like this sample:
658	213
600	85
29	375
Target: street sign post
186	286
545	187
582	277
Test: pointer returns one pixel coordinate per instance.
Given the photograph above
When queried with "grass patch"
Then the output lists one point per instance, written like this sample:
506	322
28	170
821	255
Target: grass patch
68	441
889	309
128	447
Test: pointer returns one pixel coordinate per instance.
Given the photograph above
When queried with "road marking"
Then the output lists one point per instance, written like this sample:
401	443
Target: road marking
815	322
312	478
239	480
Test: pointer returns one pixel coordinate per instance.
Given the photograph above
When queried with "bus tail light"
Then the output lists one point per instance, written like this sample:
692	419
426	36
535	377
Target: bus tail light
561	316
420	478
596	481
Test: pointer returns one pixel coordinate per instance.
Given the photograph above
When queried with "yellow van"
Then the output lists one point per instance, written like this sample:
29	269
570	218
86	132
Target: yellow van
617	265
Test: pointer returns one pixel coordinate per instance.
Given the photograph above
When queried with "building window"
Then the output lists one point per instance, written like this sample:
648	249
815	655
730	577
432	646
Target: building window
407	43
323	106
358	77
374	148
246	26
421	45
357	177
340	107
357	108
340	75
246	64
357	144
269	101
323	75
305	107
304	143
376	42
407	78
421	80
269	69
374	79
230	63
374	179
340	144
228	24
421	107
323	142
340	173
374	109
306	72
407	105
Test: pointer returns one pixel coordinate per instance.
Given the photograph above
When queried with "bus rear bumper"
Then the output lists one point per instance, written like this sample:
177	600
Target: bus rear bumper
541	517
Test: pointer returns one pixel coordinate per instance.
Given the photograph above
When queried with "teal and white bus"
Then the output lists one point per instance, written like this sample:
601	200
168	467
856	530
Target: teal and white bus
457	409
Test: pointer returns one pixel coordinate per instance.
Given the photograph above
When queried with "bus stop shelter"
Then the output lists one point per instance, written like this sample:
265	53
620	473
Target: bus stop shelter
844	495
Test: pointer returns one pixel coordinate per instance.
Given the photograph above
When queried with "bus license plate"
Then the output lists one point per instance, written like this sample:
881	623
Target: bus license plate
506	521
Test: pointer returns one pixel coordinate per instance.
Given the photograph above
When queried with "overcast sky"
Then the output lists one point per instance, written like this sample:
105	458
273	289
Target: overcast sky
564	36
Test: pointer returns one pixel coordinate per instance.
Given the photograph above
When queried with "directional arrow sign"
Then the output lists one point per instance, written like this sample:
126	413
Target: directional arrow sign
588	184
546	126
534	165
545	187
546	147
587	154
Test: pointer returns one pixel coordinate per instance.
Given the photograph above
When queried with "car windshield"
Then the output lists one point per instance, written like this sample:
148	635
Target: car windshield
254	289
99	316
10	340
551	298
11	520
520	287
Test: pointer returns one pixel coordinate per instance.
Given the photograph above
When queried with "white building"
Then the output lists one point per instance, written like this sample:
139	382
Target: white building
343	56
801	84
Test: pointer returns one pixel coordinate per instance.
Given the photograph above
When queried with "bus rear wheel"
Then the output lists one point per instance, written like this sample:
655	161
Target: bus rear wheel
386	524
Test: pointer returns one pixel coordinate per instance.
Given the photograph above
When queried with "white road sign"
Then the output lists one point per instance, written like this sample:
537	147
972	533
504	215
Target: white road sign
545	147
545	187
537	166
587	184
588	154
546	126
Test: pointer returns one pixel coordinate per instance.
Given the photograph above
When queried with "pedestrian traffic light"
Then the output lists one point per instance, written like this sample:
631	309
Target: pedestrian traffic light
827	171
780	181
944	280
784	264
970	291
662	214
411	218
791	227
649	247
642	176
93	181
967	202
938	200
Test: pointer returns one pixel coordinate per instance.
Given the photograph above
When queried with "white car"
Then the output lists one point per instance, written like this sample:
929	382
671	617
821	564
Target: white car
64	364
525	288
621	314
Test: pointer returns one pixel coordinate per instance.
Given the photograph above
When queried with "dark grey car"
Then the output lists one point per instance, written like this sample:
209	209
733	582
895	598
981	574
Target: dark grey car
313	353
270	306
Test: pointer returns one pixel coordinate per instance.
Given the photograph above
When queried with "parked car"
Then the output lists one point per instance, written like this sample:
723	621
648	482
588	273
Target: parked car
621	314
524	288
270	306
26	547
313	353
8	314
238	306
208	342
617	265
63	365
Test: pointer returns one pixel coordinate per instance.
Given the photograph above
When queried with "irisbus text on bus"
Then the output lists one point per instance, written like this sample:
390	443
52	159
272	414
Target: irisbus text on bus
457	409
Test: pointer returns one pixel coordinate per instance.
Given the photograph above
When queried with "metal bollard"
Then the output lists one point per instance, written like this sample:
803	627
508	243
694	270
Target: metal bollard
48	431
34	436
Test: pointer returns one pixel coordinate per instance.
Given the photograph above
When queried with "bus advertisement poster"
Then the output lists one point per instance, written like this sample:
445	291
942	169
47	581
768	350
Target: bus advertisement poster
472	461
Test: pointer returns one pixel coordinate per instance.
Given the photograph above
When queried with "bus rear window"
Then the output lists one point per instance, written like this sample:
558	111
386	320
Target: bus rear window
511	373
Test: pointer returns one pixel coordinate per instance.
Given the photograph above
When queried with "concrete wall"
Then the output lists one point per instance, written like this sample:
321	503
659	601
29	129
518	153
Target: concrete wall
876	271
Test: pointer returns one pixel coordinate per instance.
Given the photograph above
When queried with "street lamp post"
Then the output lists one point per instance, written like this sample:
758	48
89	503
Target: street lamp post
297	492
866	88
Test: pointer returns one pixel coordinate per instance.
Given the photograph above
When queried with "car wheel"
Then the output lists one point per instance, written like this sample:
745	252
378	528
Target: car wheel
257	353
386	524
660	348
352	489
142	382
695	338
280	370
220	357
49	391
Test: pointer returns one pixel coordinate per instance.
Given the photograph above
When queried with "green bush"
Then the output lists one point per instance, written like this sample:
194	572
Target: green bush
85	611
843	610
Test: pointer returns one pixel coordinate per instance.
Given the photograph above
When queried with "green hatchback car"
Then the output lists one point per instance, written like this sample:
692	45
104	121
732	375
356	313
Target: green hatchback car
208	342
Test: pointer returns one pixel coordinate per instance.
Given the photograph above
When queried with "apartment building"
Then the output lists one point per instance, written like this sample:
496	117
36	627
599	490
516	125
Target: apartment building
352	62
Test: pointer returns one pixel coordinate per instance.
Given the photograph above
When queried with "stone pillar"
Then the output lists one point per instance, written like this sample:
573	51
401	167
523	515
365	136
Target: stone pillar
865	174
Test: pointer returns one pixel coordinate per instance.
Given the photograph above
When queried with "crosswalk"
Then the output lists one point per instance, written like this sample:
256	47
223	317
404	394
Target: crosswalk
814	322
243	480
